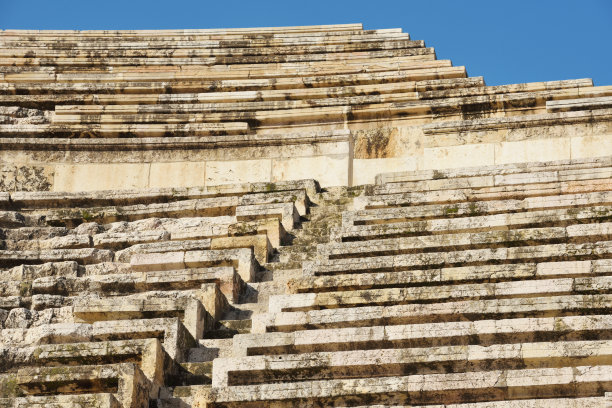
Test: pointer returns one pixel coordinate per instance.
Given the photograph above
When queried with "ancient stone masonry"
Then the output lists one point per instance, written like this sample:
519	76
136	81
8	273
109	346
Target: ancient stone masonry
193	218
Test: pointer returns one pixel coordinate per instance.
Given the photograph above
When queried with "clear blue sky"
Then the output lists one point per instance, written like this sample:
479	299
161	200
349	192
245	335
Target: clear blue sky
508	41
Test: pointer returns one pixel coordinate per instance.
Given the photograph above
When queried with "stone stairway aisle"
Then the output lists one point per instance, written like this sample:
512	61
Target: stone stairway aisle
325	213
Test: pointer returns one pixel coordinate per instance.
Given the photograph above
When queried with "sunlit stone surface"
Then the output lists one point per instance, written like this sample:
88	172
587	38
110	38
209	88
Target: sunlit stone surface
297	217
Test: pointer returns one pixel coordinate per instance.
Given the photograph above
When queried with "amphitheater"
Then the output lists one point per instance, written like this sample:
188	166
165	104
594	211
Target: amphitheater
318	216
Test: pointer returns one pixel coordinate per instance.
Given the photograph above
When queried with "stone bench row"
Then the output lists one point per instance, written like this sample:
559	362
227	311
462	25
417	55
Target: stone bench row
186	86
154	363
452	198
462	209
474	223
438	293
273	69
427	313
218	60
242	259
587	402
390	179
227	123
214	112
467	257
578	381
123	130
245	194
175	338
604	102
194	41
393	362
583	84
523	121
401	92
198	309
324	110
483	332
125	381
202	49
286	212
602	169
229	282
253	71
330	29
100	400
121	235
292	138
523	237
161	96
449	275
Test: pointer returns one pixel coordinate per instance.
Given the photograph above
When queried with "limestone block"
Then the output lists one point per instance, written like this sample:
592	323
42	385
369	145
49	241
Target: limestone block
365	170
242	259
128	254
149	351
159	261
133	388
102	400
244	171
176	174
262	249
327	170
590	146
119	240
459	156
90	177
175	337
264	369
533	150
286	212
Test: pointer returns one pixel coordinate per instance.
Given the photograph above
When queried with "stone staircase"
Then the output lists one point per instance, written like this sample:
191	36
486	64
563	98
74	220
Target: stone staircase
325	214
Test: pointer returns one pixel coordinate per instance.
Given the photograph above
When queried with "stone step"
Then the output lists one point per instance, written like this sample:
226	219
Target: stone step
209	349
182	396
276	266
228	328
193	373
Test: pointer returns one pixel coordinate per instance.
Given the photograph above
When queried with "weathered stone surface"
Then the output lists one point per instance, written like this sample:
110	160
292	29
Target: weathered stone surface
192	218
